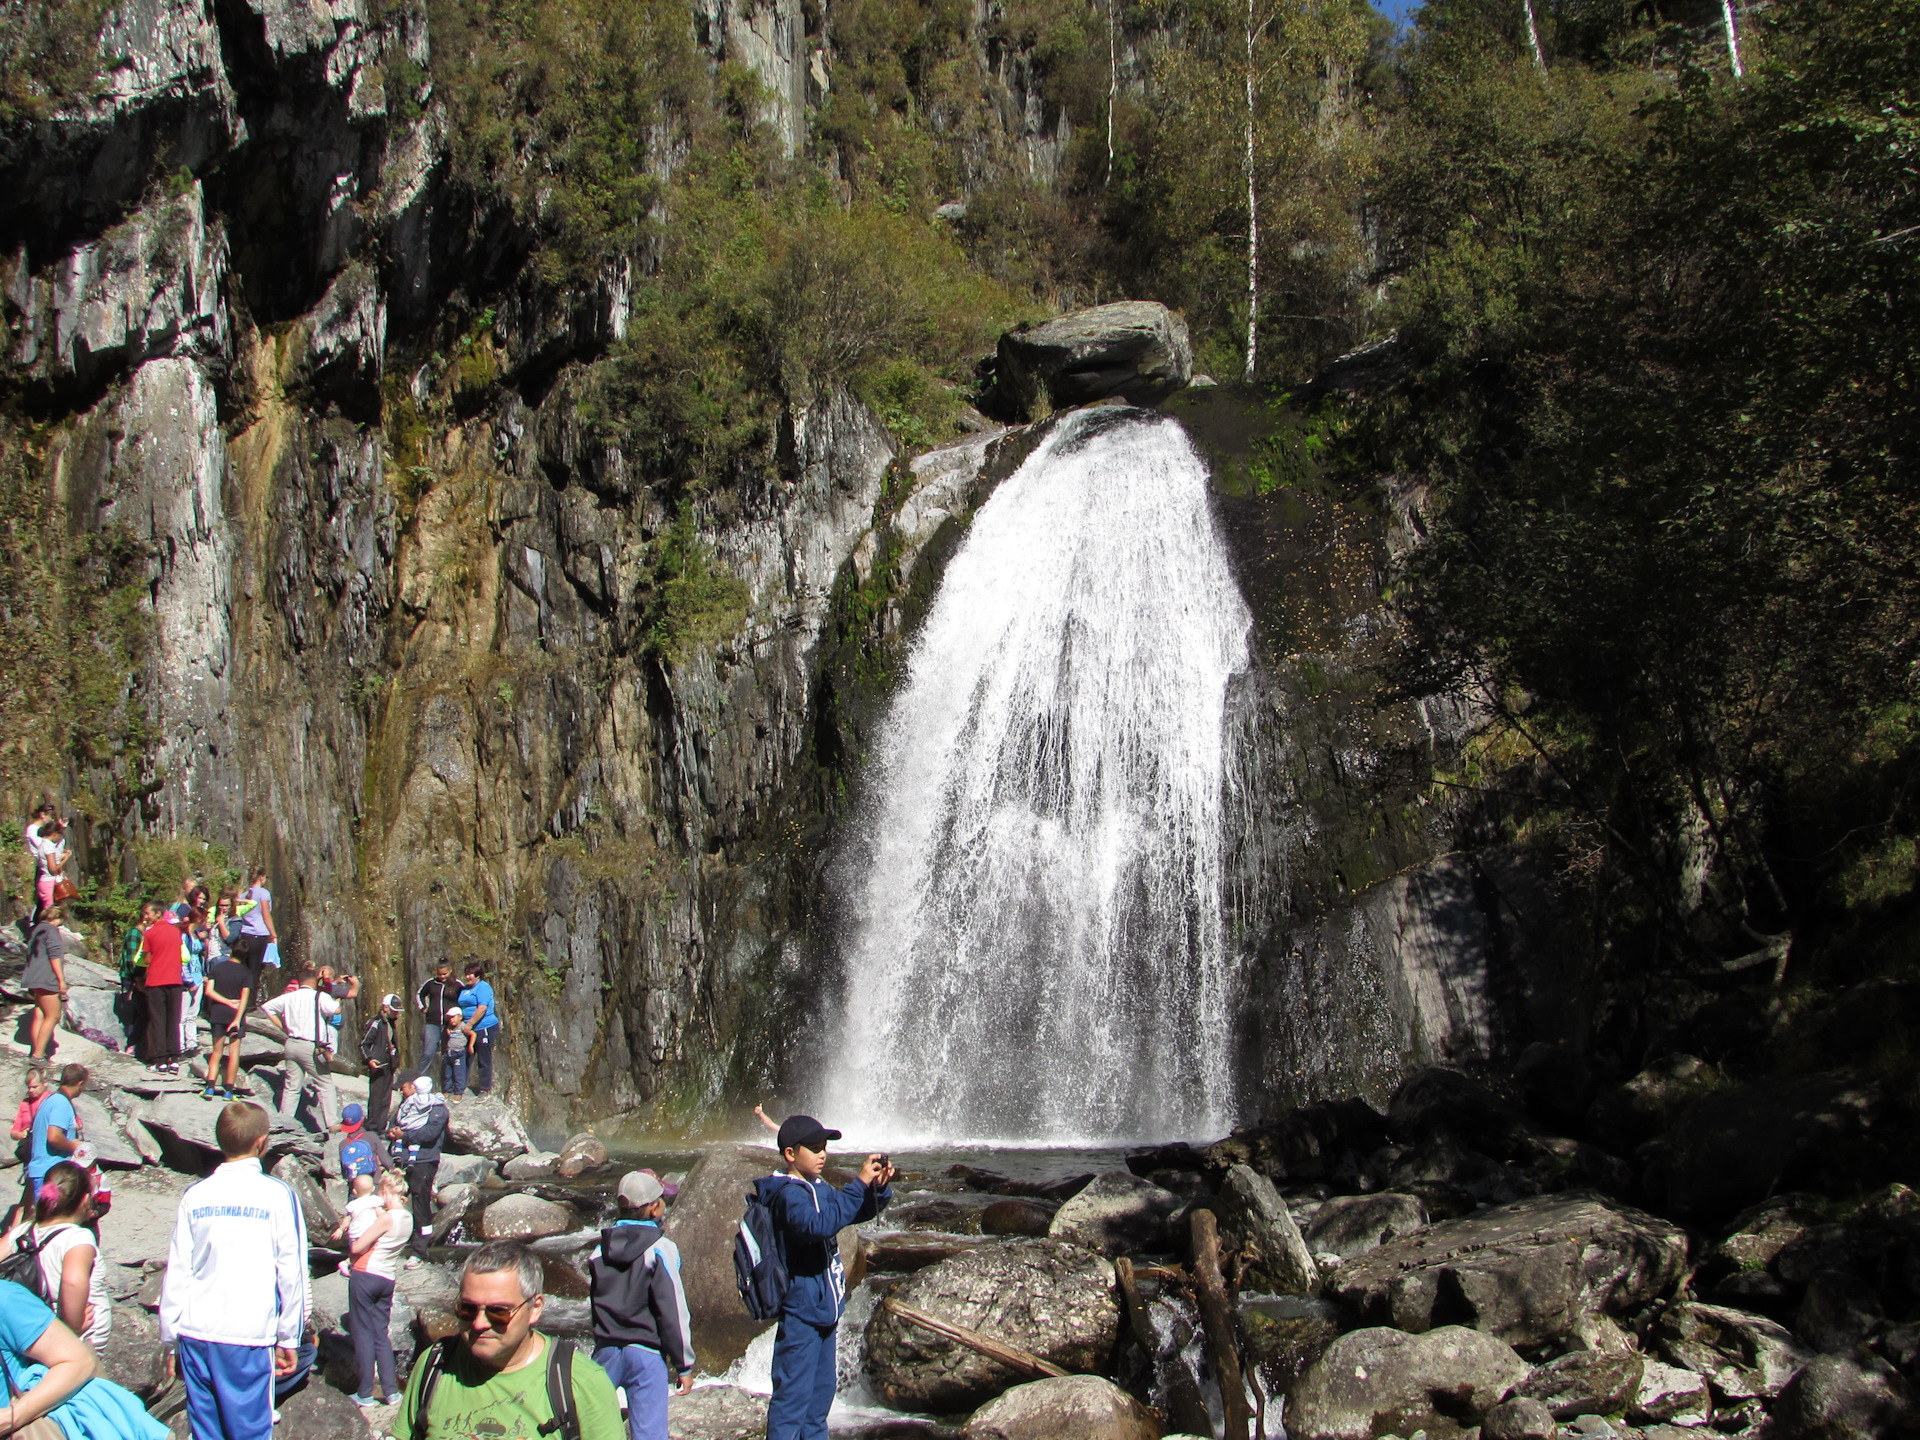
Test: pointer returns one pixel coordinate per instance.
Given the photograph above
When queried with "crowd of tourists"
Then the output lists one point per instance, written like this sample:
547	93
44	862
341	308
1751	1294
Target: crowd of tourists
236	1301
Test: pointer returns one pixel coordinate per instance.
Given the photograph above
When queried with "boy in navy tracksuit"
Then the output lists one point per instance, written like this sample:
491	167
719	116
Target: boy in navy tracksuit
808	1216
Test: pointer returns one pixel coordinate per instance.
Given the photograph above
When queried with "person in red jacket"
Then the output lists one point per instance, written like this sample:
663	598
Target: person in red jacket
161	942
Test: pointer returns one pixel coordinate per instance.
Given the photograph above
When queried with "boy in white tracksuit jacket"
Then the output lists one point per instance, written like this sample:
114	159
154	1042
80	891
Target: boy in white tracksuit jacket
234	1302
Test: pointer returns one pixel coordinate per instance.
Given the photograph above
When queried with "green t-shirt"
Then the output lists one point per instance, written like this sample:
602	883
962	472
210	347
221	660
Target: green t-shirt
473	1403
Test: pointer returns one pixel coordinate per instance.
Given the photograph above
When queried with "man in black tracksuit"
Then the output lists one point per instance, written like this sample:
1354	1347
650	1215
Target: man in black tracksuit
641	1329
380	1053
418	1131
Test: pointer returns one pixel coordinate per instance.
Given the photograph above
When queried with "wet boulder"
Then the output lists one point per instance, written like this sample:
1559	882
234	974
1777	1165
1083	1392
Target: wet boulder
1520	1418
702	1221
1048	1297
1584	1382
1016	1217
1846	1397
717	1412
580	1154
1525	1272
462	1170
1324	1141
534	1165
1350	1226
1117	1213
482	1125
1379	1381
1667	1394
524	1217
1442	1102
1137	350
1259	1232
1745	1356
1074	1407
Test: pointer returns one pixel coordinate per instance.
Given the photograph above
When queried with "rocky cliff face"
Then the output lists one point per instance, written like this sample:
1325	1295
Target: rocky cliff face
411	675
410	666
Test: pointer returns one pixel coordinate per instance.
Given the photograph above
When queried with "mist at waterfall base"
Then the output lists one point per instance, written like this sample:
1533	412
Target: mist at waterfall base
1034	950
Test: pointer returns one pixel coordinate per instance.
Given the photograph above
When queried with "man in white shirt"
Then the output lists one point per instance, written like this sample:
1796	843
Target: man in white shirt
302	1016
234	1301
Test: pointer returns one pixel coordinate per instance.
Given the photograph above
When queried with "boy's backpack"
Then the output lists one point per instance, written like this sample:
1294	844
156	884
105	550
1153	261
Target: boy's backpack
356	1158
759	1269
23	1265
565	1424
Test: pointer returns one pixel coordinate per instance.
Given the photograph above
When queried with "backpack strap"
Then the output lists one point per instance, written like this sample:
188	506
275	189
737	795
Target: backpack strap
436	1363
566	1415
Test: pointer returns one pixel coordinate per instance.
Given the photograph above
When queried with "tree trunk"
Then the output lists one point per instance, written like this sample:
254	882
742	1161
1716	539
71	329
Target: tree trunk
1253	220
1533	37
1113	85
1733	37
1216	1318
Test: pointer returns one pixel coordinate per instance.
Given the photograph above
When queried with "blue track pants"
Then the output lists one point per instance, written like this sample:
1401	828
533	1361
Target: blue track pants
229	1389
803	1380
642	1373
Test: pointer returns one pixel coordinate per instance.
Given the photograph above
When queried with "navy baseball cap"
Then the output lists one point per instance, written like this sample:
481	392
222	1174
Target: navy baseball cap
805	1130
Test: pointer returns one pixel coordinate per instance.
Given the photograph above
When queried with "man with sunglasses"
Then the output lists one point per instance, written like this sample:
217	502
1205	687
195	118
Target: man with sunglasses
500	1377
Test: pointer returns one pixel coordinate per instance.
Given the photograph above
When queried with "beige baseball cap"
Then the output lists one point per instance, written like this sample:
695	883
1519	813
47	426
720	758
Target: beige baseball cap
640	1188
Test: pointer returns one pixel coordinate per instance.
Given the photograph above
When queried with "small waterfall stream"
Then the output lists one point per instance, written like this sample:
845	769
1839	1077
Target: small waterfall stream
1035	950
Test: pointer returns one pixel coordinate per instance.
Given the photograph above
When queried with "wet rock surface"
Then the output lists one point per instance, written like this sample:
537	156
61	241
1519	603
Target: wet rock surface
1050	1298
1078	1407
1524	1272
1133	349
1380	1381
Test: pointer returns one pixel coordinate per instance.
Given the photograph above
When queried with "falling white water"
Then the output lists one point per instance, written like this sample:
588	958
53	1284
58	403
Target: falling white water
1035	948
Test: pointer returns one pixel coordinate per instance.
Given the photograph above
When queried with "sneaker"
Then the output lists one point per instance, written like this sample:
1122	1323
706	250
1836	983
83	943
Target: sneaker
365	1402
209	1092
413	1263
225	1093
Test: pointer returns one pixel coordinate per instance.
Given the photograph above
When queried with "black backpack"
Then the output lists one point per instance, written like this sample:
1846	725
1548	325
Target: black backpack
759	1269
565	1423
23	1265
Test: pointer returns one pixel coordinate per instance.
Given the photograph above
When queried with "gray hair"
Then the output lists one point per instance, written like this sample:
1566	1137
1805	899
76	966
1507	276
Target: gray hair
497	1255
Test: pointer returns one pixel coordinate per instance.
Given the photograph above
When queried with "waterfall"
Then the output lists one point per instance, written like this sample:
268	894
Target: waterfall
1034	948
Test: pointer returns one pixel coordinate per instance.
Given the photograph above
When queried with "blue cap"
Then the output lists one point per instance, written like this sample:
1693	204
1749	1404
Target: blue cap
353	1114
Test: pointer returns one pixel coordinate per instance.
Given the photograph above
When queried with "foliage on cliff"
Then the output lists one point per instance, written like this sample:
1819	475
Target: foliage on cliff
1656	358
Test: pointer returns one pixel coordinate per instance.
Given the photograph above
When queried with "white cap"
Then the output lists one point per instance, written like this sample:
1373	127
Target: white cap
423	1085
640	1188
83	1155
390	1002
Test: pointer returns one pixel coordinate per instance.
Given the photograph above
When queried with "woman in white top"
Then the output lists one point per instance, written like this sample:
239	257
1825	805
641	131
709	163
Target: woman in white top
70	1265
375	1238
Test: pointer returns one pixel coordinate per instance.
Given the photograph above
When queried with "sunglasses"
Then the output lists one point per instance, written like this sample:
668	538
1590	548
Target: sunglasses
498	1316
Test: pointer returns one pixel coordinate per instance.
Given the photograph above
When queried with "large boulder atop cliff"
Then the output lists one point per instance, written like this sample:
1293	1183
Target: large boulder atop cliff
1048	1297
1378	1381
1116	1213
1073	1407
1135	349
1526	1272
702	1221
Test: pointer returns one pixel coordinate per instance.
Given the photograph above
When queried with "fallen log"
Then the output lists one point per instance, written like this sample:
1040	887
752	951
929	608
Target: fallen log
1011	1356
1216	1318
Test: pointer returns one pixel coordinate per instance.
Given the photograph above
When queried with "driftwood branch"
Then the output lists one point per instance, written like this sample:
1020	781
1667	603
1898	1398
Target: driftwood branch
1011	1356
1186	1411
1216	1318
